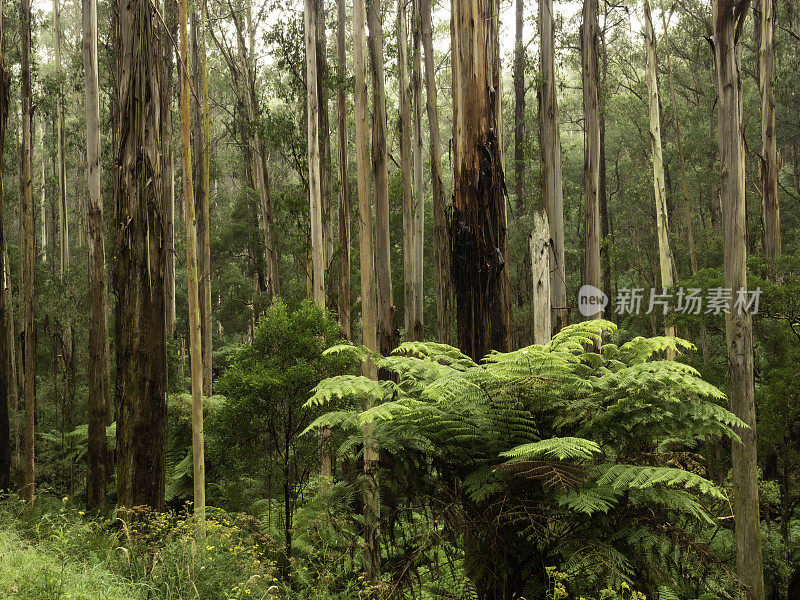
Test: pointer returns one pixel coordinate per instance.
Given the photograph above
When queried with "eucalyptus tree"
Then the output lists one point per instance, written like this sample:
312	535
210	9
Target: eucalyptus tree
728	24
141	255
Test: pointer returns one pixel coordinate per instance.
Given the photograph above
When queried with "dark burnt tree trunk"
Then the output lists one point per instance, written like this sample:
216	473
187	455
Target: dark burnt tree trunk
141	256
478	220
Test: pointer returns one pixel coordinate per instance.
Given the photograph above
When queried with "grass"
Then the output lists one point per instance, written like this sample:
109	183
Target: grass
38	573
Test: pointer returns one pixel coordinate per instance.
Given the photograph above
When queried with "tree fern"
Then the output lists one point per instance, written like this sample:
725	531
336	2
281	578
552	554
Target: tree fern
548	445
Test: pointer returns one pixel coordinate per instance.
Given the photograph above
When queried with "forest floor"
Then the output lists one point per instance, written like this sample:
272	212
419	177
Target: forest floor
40	572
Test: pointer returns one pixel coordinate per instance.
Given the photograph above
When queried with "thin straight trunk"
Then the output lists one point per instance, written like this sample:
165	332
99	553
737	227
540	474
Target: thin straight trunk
205	219
519	109
550	144
441	240
344	183
314	175
406	170
43	199
325	167
679	140
63	218
665	259
201	193
418	220
99	373
29	237
11	343
605	230
478	224
728	22
318	241
591	165
190	216
141	257
770	169
387	323
6	316
171	21
372	513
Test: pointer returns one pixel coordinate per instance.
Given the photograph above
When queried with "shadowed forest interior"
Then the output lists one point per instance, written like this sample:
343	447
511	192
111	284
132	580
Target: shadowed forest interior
408	299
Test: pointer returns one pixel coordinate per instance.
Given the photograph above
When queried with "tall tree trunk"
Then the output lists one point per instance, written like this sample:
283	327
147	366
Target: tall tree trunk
441	239
418	325
205	282
679	141
552	188
478	224
406	170
99	375
344	183
141	255
550	144
29	237
190	216
63	218
314	175
770	170
591	165
43	198
519	108
326	177
201	179
387	318
665	259
171	22
728	22
602	189
372	503
6	370
318	241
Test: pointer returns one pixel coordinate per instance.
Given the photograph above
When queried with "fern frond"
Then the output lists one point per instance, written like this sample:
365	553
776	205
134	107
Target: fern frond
565	448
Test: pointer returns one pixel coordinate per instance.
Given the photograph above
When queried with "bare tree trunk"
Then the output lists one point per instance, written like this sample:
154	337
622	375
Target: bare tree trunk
63	218
418	221
441	240
591	165
387	318
318	254
368	306
99	374
6	316
326	177
665	259
43	199
314	176
728	22
344	183
519	108
141	255
770	169
171	21
679	140
201	191
29	236
406	170
540	269
190	216
478	225
550	144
